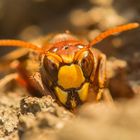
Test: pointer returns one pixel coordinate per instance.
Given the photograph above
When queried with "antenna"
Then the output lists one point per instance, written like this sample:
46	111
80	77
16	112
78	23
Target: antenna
113	31
22	44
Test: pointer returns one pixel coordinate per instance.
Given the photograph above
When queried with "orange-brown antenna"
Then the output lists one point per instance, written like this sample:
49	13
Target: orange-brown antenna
112	31
23	44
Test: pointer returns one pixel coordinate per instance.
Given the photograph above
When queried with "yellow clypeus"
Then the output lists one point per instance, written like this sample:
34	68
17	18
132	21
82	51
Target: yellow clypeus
70	76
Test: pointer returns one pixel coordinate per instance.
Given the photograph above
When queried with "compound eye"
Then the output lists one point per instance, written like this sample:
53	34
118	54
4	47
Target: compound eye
86	63
51	66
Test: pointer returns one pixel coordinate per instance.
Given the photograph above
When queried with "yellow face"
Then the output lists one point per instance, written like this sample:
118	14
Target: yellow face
68	76
71	85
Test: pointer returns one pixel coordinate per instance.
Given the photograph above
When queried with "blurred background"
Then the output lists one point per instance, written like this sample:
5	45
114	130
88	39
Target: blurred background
48	16
30	19
27	118
27	19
